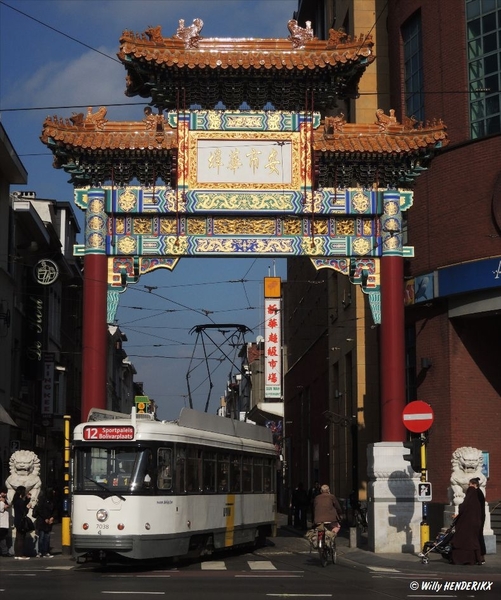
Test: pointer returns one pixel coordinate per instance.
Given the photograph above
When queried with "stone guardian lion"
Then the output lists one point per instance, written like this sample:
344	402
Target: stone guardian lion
24	470
467	463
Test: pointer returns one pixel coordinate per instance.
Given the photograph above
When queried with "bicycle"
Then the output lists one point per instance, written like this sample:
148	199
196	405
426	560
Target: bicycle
326	545
360	514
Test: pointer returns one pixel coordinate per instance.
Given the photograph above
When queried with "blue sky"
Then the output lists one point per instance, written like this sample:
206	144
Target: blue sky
57	55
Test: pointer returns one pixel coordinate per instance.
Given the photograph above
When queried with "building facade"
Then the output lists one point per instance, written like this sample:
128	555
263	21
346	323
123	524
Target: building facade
41	325
439	60
328	316
12	172
451	66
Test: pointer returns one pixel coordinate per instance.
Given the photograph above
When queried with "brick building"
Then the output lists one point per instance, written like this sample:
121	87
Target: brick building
453	317
434	60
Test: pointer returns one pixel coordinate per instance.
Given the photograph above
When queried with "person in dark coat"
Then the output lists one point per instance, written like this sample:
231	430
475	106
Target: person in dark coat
312	494
4	523
300	505
468	544
44	513
20	504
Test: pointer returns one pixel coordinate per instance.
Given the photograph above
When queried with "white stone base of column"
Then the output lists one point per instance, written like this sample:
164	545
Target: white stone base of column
395	514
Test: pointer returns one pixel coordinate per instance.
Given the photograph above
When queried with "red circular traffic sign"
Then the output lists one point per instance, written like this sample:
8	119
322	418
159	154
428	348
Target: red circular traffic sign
417	416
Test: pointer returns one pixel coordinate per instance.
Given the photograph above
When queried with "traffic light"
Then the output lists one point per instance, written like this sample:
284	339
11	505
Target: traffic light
414	456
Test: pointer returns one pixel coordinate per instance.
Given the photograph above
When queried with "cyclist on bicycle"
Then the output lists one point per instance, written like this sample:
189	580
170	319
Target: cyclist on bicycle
328	510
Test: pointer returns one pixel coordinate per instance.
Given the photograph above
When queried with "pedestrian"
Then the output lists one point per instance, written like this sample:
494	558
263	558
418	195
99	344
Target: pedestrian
21	505
300	506
43	513
312	494
468	544
4	523
328	510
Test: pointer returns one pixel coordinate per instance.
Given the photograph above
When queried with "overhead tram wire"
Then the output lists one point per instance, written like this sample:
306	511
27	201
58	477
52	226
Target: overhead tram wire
60	32
116	104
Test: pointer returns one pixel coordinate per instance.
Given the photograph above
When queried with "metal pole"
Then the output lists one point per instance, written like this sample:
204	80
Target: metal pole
65	521
424	527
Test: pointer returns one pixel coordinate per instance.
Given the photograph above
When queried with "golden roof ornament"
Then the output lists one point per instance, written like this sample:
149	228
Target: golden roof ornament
299	35
190	35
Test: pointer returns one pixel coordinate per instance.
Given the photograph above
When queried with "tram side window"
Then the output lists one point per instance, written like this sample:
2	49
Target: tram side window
235	473
193	468
267	475
247	474
180	470
257	474
209	471
164	476
223	472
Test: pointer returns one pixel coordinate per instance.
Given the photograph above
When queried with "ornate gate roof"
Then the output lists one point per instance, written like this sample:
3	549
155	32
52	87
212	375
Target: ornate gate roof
94	150
296	75
186	69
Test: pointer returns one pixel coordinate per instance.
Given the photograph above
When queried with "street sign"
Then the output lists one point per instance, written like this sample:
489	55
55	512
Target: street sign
417	416
424	491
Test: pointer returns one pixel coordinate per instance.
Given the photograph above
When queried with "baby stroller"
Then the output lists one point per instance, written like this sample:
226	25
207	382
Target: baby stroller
441	545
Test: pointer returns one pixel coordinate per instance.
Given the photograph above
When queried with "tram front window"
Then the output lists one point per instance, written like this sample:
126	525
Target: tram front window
118	469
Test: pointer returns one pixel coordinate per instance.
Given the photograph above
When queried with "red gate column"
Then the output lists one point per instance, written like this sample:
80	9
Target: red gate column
95	328
392	340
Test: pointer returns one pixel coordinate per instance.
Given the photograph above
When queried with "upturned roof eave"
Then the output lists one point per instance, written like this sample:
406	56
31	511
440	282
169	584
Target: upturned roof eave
187	49
94	132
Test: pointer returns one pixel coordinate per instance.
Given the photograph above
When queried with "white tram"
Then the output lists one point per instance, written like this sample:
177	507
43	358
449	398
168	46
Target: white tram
147	489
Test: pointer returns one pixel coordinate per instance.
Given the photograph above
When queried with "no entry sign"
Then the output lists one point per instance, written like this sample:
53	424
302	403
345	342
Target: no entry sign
417	416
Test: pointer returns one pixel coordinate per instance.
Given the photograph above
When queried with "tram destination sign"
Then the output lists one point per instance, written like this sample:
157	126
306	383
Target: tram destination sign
108	432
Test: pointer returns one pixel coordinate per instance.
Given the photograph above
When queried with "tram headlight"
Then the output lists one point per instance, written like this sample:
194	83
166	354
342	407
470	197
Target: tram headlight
102	515
147	526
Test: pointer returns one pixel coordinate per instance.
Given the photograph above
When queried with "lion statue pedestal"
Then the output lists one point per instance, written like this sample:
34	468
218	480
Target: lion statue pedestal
467	463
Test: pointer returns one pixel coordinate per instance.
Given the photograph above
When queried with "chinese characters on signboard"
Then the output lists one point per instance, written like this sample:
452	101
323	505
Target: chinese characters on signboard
244	162
272	339
47	407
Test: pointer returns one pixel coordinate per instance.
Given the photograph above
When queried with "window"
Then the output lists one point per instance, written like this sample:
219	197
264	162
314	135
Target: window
223	472
160	469
180	470
111	469
413	68
483	38
247	474
268	480
235	474
209	470
193	463
257	474
164	476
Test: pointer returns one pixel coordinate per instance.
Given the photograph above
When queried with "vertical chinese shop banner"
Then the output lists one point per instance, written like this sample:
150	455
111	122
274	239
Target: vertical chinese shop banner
47	404
272	338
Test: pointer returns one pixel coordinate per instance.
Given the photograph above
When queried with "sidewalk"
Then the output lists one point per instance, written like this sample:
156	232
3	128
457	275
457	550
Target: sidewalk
363	557
295	541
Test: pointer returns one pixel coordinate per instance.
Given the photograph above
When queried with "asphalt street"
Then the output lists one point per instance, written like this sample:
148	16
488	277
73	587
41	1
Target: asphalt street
291	540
